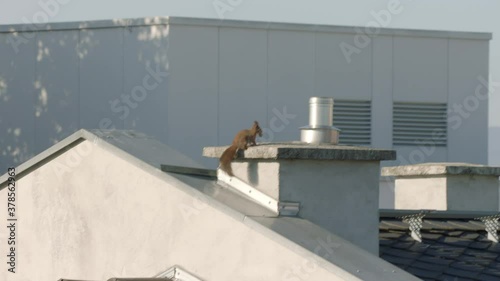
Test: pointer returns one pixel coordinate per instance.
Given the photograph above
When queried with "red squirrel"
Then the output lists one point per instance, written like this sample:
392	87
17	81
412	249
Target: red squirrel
242	140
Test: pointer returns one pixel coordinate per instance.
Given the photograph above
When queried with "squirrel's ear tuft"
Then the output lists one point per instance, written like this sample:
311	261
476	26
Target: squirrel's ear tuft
256	123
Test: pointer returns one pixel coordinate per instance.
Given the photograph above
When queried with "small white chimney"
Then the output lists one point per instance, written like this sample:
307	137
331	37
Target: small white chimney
335	187
445	187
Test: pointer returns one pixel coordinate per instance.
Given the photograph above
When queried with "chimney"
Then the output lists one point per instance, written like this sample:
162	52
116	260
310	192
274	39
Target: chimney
320	128
445	187
333	186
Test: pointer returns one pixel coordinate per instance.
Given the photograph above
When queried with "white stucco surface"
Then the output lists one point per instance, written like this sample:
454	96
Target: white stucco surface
386	193
443	186
336	186
451	192
340	196
94	212
99	221
416	194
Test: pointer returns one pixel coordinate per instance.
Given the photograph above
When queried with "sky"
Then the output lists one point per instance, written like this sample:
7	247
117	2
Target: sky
454	15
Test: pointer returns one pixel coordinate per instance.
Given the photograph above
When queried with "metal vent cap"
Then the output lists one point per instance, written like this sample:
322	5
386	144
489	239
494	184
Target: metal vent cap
320	128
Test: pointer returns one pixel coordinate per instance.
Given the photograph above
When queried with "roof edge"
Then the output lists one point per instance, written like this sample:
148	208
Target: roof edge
425	170
82	135
167	20
436	214
90	24
48	154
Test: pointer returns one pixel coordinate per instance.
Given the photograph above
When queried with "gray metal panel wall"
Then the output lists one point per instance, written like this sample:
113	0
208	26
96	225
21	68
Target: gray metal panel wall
420	69
242	81
420	75
291	81
382	92
17	100
407	155
339	75
56	87
220	79
146	62
468	121
101	77
192	105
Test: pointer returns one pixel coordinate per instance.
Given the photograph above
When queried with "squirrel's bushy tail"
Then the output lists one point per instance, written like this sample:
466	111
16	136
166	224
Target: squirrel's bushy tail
226	158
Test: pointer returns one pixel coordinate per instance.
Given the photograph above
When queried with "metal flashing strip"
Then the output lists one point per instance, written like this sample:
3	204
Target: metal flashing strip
250	191
189	171
415	222
289	209
492	225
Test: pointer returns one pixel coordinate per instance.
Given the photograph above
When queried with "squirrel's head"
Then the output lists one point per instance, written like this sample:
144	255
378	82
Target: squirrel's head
257	128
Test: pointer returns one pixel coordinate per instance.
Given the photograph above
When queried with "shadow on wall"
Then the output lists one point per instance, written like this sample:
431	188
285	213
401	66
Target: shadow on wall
14	147
46	95
494	147
386	195
494	150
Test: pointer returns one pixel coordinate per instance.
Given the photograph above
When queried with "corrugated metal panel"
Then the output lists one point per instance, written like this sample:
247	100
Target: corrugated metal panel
353	117
415	123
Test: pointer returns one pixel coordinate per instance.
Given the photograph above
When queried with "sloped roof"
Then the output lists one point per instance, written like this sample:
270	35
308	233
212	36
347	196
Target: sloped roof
136	147
451	249
316	240
328	250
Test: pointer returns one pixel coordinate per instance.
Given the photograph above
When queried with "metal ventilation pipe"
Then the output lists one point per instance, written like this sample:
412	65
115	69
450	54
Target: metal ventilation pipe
320	128
320	111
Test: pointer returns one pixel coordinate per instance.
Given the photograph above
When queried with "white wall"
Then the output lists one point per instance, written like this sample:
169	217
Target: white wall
103	217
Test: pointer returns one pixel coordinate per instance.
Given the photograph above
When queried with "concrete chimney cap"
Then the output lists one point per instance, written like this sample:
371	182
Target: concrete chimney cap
430	169
304	151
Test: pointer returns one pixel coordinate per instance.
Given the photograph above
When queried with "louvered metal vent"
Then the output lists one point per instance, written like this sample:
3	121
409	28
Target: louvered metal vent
417	123
353	118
